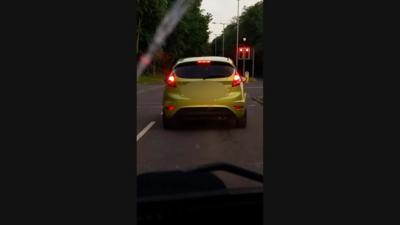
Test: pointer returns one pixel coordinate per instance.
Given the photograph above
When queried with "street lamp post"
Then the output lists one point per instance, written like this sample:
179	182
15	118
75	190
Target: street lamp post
215	44
252	68
237	34
223	37
244	58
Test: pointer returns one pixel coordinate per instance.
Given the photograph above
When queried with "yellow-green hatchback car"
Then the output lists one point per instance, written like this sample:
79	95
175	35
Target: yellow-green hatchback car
204	88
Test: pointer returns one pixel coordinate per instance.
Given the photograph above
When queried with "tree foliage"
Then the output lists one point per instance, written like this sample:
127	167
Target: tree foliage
251	27
149	15
190	37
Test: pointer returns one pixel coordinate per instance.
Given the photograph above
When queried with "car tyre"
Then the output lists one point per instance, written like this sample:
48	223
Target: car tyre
168	123
242	122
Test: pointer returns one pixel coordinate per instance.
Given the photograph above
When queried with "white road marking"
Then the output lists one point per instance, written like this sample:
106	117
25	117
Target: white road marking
143	132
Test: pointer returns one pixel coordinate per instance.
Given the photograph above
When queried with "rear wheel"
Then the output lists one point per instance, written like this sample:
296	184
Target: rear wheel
168	123
242	122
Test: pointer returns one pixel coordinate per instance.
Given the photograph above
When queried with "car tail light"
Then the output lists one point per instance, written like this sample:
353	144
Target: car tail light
236	80
237	107
171	80
170	107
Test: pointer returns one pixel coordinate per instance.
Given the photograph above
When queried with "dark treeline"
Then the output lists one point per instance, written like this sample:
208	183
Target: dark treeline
190	37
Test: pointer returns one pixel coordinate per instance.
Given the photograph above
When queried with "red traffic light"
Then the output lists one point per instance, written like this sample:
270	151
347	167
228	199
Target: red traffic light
244	52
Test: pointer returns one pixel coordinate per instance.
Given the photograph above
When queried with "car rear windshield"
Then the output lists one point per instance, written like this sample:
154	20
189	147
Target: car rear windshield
204	70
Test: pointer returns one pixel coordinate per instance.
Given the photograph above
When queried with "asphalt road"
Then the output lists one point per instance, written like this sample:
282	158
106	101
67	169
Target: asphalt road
197	143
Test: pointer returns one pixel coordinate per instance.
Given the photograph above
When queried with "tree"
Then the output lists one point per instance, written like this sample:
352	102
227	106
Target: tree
190	37
251	26
149	15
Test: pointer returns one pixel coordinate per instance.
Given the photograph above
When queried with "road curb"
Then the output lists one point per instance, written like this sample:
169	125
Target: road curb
258	100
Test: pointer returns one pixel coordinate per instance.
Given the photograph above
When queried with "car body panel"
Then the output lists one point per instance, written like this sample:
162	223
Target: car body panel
205	93
210	58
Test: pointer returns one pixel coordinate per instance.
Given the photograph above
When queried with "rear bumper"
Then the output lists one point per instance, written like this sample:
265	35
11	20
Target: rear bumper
204	112
231	105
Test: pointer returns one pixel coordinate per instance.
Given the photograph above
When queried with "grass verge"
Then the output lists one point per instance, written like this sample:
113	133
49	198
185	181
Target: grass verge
151	79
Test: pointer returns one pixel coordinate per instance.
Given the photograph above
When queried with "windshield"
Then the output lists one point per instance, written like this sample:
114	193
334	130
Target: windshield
204	70
183	124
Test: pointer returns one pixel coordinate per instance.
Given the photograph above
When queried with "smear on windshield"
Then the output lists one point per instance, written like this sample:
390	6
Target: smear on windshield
165	28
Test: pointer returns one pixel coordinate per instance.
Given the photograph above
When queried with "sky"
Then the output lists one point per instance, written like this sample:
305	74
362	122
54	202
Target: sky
223	11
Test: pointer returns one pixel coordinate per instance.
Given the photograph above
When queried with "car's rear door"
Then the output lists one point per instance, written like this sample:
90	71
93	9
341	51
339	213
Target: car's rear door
204	82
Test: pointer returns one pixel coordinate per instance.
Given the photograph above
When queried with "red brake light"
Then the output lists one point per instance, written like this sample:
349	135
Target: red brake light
170	107
171	81
238	107
236	80
203	61
247	49
241	49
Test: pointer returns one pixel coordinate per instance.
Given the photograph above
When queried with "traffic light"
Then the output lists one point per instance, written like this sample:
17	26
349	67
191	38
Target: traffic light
240	53
247	53
244	53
